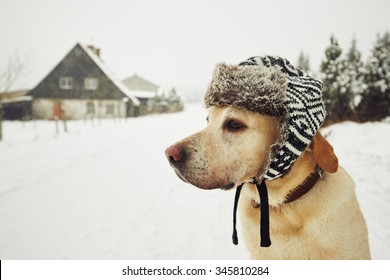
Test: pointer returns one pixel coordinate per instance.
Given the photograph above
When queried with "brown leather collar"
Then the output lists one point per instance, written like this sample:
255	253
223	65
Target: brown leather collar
303	188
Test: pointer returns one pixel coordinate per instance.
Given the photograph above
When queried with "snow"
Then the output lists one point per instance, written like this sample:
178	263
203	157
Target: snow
105	190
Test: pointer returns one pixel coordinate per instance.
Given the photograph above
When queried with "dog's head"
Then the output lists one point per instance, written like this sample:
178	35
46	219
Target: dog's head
234	146
263	113
228	152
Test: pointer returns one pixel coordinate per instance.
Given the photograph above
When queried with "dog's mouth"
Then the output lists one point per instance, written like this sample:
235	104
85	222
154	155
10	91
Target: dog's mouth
224	187
229	186
181	176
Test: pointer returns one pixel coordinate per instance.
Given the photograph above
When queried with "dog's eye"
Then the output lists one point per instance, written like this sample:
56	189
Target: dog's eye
234	126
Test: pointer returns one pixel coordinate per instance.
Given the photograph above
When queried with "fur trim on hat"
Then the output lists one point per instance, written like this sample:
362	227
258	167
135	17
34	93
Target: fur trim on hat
257	89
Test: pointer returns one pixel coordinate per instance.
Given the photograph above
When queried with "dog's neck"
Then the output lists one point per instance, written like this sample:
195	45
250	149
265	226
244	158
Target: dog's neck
294	184
279	190
304	187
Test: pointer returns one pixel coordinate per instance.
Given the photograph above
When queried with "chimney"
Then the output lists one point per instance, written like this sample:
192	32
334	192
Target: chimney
94	50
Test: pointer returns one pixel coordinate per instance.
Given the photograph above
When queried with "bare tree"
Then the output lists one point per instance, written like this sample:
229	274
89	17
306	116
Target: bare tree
8	76
12	71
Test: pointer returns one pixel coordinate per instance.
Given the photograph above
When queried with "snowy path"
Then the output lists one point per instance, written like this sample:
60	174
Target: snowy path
107	192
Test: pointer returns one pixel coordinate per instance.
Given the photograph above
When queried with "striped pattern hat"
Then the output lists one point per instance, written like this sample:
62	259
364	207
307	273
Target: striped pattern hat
272	86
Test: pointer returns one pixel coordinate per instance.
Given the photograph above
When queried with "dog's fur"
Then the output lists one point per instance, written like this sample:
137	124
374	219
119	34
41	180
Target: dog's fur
325	223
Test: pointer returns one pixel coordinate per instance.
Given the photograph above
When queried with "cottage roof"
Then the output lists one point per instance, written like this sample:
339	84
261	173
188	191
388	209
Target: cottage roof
110	75
137	83
13	94
16	99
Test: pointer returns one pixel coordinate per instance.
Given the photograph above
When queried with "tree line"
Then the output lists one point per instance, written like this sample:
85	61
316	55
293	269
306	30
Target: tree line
354	89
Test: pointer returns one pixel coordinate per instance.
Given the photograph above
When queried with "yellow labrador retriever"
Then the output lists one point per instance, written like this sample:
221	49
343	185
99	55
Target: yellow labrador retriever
313	209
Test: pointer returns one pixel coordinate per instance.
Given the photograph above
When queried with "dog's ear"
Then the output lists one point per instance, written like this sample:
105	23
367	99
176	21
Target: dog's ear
323	154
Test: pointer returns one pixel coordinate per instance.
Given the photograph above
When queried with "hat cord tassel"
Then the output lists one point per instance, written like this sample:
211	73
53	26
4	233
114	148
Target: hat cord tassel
265	240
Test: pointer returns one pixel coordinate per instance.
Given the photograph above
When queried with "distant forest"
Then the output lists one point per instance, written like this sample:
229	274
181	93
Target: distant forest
353	89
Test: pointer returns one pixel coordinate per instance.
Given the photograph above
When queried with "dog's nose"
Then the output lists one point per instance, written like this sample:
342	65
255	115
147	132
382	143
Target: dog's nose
174	154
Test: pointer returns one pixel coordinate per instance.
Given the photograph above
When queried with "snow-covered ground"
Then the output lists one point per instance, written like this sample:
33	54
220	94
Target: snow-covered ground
105	190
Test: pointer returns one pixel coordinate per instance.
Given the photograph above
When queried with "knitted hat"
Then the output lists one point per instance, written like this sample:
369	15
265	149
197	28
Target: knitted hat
272	86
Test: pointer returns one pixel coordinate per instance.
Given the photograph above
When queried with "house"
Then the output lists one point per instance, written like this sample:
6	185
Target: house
145	91
152	97
81	86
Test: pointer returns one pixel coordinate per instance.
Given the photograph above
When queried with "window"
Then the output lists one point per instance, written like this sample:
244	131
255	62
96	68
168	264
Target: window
66	83
91	83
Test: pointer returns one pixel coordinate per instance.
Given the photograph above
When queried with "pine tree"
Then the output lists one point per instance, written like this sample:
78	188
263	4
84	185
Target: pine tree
375	104
351	79
331	69
303	62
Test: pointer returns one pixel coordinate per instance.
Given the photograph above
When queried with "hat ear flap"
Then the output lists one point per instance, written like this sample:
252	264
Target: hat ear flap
323	154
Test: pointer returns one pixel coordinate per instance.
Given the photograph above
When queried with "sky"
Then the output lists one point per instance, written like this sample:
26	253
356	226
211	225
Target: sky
178	43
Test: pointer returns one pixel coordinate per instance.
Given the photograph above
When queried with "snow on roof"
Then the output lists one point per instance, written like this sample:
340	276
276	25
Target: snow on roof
16	99
143	93
110	75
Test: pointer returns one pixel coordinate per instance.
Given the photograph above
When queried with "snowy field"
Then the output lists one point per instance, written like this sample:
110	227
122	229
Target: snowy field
105	190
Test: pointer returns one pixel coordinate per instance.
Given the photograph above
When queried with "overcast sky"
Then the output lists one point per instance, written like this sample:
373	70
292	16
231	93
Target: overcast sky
177	43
